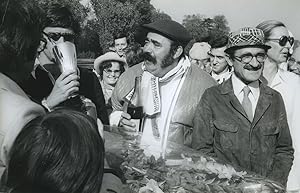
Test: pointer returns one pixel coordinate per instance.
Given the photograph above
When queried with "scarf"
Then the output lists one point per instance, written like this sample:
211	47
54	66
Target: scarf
151	99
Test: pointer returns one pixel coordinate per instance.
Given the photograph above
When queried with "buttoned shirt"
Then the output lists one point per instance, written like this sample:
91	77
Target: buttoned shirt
222	76
238	86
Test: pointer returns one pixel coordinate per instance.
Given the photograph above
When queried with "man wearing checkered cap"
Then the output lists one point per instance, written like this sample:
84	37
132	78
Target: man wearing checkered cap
242	121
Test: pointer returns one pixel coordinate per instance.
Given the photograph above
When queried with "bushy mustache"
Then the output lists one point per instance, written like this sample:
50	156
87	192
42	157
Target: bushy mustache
251	68
148	57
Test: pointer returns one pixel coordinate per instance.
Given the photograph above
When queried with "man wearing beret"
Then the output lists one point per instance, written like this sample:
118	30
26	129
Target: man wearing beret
170	88
242	121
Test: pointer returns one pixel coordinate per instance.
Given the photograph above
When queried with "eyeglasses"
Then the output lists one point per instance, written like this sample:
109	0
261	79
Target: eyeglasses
212	57
56	36
284	39
246	59
109	71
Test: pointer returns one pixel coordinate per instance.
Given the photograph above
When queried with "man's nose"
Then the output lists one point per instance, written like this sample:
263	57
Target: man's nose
254	62
148	48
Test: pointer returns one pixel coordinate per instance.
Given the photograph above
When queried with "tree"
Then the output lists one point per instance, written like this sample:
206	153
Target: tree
78	10
122	16
204	29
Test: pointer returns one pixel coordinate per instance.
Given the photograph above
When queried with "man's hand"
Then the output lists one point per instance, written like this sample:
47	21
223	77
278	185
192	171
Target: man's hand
128	127
65	85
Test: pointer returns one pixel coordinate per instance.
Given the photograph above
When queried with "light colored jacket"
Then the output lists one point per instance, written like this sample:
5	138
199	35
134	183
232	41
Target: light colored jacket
181	126
16	110
288	85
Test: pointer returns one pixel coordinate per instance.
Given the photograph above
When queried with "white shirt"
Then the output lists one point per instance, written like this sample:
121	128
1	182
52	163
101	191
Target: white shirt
222	76
238	86
167	92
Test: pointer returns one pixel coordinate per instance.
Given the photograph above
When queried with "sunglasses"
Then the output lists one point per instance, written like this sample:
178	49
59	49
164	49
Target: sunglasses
56	36
284	39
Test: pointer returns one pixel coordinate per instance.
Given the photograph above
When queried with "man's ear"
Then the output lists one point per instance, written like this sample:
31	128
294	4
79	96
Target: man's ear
178	52
228	60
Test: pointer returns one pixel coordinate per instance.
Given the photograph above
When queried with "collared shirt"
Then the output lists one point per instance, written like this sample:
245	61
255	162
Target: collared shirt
222	76
238	86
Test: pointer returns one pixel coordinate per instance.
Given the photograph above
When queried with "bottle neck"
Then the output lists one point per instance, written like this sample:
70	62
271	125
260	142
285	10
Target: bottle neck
136	97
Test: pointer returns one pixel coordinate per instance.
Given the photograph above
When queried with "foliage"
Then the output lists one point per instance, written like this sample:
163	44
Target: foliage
122	17
89	42
159	15
204	29
79	11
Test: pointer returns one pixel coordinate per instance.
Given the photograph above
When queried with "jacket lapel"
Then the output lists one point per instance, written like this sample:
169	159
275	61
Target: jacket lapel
230	98
264	101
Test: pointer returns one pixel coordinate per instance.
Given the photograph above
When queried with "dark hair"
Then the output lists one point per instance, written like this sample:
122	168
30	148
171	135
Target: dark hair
219	41
268	26
60	152
20	32
108	64
133	55
120	35
60	15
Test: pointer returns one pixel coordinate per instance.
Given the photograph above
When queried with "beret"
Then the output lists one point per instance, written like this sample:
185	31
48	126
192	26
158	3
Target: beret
246	37
109	56
170	29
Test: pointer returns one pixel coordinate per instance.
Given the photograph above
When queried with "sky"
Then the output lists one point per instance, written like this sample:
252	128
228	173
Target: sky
239	13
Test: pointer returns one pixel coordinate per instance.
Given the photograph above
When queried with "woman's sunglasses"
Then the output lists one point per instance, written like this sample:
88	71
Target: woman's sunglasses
56	36
284	39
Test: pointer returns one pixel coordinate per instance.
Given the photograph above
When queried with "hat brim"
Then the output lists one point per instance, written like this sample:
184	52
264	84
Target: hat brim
98	62
231	49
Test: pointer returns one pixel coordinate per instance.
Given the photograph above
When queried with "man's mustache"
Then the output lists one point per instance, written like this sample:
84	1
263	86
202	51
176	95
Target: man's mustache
251	68
148	57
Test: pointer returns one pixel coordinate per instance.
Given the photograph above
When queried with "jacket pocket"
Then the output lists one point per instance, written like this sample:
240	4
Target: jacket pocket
225	134
269	134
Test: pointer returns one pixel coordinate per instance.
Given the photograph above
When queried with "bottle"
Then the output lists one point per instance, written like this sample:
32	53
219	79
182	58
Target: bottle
135	108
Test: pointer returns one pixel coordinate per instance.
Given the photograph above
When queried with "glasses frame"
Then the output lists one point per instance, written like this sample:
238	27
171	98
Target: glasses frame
240	59
282	41
116	72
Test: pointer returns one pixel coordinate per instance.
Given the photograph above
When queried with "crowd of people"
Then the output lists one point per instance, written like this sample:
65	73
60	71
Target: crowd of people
235	98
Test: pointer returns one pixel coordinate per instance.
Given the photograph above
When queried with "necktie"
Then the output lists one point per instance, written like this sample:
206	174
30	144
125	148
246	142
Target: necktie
246	103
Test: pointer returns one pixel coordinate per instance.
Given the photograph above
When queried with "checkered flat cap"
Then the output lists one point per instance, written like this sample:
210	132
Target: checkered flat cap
246	37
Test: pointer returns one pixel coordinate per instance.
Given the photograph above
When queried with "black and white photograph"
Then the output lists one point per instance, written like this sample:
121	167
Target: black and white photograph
149	96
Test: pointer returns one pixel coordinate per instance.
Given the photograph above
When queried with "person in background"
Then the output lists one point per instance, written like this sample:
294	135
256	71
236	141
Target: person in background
60	152
47	85
133	55
171	87
109	66
242	121
219	62
120	44
20	32
287	84
294	62
198	55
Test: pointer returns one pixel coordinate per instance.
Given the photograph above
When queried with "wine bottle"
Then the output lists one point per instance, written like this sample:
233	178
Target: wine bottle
135	107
